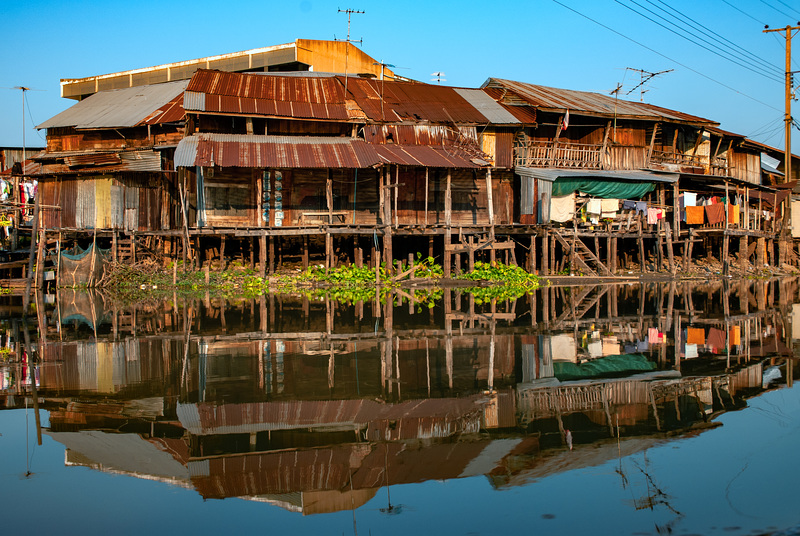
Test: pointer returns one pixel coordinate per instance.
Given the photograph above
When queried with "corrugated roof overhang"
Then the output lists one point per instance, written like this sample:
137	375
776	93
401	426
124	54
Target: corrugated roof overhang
428	156
551	174
256	151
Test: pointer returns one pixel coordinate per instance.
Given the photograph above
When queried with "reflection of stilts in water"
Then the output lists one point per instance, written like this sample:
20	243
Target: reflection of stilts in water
31	366
390	508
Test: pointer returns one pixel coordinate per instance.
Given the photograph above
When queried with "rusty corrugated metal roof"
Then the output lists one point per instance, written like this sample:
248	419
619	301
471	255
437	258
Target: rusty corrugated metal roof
30	168
429	156
73	162
524	112
582	102
309	97
120	108
406	101
419	134
247	150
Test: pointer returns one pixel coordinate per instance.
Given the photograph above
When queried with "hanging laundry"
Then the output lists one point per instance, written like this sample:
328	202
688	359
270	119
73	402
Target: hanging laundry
653	336
690	351
715	213
652	216
641	206
695	215
695	336
735	336
689	199
716	338
609	208
628	204
562	208
733	214
593	206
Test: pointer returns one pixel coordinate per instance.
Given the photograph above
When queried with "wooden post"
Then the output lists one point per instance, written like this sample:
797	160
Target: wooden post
271	255
262	255
532	255
222	253
305	252
26	301
448	239
546	253
426	196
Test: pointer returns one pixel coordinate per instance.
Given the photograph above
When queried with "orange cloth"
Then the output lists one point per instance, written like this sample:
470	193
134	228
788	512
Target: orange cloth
733	214
695	336
695	215
735	336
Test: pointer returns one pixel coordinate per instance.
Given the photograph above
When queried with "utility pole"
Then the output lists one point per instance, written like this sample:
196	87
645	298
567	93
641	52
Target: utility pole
787	166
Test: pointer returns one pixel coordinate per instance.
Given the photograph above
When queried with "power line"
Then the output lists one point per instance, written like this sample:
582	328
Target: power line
778	10
721	39
666	57
761	22
790	7
775	78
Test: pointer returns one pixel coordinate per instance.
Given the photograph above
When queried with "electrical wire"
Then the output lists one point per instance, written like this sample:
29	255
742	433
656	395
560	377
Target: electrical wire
762	23
30	115
790	7
776	9
666	57
767	75
720	38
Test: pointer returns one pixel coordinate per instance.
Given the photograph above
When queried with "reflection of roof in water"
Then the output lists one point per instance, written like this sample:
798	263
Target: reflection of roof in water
611	365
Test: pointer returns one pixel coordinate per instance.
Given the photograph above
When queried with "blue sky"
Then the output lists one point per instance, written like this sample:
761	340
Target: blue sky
547	42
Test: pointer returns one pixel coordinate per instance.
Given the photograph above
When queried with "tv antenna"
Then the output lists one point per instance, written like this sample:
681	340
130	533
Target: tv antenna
440	77
644	77
383	67
350	13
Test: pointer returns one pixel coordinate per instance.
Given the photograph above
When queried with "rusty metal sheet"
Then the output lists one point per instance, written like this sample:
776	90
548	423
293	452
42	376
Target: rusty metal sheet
243	150
311	97
407	101
559	100
428	156
117	108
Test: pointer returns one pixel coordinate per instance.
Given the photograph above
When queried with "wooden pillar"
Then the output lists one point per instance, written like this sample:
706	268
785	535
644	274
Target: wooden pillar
448	239
743	246
271	255
642	260
222	253
532	255
546	253
262	255
305	252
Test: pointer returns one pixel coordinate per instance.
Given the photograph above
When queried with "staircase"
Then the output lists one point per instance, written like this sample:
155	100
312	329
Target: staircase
583	255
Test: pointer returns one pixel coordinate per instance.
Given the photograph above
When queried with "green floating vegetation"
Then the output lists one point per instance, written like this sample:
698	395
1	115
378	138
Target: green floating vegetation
346	283
509	282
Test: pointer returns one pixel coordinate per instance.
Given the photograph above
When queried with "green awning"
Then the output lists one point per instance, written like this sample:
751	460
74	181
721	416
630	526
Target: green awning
611	365
604	188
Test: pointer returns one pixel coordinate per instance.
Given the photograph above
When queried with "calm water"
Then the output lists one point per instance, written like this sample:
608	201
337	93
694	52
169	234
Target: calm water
617	409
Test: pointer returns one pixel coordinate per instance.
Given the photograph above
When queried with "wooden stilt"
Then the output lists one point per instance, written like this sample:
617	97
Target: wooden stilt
305	252
262	255
271	255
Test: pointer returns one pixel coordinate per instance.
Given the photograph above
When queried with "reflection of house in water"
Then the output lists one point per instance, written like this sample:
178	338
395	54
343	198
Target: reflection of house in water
318	407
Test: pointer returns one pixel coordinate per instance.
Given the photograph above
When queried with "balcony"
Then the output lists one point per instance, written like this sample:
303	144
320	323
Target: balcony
557	155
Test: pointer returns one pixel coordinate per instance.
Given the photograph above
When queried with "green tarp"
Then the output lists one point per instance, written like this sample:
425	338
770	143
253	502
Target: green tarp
604	188
612	365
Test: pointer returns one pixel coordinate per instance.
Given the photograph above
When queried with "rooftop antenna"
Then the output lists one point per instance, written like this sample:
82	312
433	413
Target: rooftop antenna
383	66
349	12
440	77
644	77
615	92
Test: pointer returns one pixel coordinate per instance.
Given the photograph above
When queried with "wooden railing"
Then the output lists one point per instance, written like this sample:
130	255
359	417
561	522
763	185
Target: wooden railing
717	165
557	154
